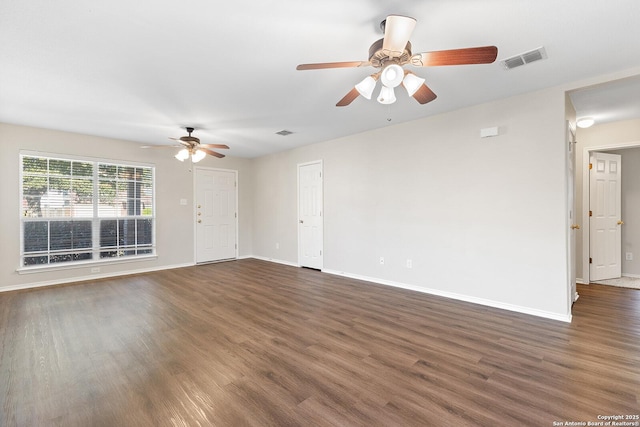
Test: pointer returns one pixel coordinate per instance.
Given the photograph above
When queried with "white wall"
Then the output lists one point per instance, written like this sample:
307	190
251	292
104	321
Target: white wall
174	181
603	136
482	219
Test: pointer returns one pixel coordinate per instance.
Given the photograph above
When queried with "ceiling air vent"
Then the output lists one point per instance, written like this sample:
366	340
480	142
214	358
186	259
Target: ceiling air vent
284	132
524	58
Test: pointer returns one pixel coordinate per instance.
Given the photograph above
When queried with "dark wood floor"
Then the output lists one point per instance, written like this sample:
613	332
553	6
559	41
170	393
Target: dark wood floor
254	343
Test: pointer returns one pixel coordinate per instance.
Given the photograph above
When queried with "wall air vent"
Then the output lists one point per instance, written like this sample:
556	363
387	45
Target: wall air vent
284	132
524	58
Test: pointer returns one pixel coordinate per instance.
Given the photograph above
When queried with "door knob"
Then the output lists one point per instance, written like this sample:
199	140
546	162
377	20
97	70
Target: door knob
621	222
199	221
301	222
199	206
575	227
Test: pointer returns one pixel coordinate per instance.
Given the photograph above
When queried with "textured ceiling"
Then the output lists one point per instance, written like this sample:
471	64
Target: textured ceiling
142	70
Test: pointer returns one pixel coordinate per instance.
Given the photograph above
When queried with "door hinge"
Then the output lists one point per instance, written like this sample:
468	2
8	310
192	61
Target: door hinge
236	214
590	260
320	174
235	183
590	165
236	246
590	213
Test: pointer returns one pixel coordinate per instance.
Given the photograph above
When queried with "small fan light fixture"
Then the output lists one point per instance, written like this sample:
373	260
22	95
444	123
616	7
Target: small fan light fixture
391	76
366	87
196	155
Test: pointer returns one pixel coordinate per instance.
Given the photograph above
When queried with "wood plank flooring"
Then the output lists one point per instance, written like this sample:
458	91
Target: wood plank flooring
259	344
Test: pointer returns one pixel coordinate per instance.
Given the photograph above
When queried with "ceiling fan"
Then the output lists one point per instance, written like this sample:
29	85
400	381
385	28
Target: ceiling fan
191	147
392	52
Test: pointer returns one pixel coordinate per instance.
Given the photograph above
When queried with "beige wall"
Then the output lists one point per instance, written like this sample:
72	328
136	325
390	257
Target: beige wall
481	219
174	181
602	137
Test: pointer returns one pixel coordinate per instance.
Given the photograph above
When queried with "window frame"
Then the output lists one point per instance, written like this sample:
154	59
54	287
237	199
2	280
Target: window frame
95	219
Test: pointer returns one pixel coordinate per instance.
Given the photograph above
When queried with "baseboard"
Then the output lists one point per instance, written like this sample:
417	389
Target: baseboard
459	297
90	277
582	281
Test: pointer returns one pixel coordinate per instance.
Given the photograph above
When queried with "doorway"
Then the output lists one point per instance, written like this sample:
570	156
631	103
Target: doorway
587	153
215	214
310	220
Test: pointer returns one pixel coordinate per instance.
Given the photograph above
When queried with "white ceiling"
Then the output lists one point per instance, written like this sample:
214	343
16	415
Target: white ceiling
140	70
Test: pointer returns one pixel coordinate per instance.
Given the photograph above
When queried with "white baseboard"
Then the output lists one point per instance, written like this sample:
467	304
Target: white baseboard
90	277
460	297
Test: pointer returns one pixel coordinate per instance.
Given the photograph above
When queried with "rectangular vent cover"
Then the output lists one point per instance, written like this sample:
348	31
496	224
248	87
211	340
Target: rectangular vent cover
524	58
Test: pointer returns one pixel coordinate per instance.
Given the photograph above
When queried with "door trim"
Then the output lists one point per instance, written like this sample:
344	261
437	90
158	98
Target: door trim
586	229
300	165
194	209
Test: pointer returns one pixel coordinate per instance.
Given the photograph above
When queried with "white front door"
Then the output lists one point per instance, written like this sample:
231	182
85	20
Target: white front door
310	227
605	229
216	217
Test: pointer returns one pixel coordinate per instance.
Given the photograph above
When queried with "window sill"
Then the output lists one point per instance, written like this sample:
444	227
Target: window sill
84	264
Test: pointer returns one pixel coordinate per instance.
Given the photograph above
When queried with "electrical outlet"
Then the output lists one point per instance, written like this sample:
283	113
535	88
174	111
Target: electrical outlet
95	270
629	256
381	260
409	263
277	245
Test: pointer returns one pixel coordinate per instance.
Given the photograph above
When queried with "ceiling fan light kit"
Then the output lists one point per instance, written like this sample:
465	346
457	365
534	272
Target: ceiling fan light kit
387	95
412	83
182	155
198	155
190	147
392	75
366	86
392	52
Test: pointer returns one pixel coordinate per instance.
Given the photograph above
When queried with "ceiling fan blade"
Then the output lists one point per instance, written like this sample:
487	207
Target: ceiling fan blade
323	65
183	144
471	55
348	98
397	31
212	153
424	94
213	146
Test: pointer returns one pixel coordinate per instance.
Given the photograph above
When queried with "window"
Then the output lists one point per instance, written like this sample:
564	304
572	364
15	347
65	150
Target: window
79	210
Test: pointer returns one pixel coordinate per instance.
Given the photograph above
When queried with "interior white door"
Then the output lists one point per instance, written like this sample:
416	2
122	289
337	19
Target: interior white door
605	228
310	225
574	226
216	219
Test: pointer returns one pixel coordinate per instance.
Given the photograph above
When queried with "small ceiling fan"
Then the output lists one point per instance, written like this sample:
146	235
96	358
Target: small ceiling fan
392	52
191	147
